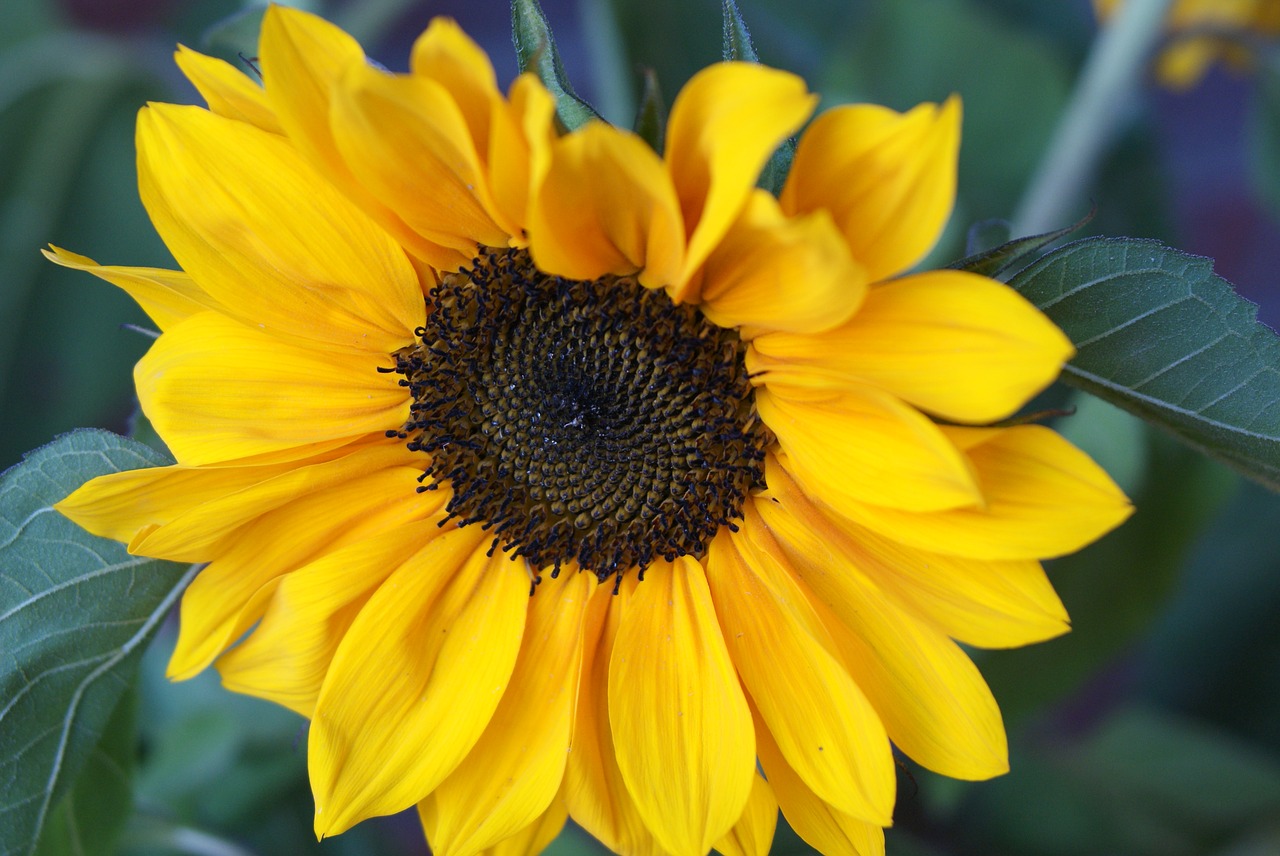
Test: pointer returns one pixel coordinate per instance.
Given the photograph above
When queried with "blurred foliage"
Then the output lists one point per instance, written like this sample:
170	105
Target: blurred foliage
1152	728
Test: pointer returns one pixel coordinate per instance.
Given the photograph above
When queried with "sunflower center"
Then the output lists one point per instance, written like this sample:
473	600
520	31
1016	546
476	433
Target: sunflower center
593	422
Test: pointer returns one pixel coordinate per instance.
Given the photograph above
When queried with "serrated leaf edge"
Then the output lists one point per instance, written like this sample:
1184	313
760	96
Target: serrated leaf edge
1142	405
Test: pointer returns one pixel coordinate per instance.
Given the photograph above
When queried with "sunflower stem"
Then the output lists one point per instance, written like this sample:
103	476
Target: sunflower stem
1093	117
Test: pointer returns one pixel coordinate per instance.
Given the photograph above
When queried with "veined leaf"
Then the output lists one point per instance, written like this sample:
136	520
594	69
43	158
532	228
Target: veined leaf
76	612
89	820
536	52
1160	335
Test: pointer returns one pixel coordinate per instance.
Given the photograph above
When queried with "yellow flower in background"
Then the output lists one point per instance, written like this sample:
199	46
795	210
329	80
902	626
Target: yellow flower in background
426	356
1201	33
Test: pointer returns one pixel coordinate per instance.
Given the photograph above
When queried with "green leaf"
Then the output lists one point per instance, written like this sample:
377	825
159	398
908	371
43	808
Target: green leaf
89	820
739	47
1160	335
536	52
76	612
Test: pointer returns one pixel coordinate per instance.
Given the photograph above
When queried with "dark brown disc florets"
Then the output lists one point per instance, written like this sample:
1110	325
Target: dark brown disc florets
582	421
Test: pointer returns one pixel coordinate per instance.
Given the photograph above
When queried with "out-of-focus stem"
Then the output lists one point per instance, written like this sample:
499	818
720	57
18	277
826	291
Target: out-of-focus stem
1092	118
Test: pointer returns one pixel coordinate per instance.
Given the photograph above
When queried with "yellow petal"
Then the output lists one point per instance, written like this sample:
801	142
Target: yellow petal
535	837
1044	498
510	777
306	612
964	347
167	296
531	840
770	273
218	606
888	179
226	90
129	505
724	125
216	390
208	530
752	835
447	56
188	514
594	791
821	826
522	133
827	730
982	603
304	58
606	206
859	445
681	726
270	239
934	704
406	139
415	680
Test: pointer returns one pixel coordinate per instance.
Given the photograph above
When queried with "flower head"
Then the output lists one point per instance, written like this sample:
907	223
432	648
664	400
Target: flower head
427	354
1203	32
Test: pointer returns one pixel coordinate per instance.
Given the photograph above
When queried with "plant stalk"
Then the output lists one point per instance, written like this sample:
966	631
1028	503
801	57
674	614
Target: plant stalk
1093	118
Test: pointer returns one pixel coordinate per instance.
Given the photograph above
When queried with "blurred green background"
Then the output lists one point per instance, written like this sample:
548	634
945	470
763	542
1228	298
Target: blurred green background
1154	728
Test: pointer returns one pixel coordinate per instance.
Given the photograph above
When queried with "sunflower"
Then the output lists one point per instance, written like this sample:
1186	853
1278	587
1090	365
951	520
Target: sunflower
1203	32
551	476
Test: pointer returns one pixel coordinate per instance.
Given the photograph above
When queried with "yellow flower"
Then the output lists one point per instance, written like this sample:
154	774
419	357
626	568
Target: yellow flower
425	352
1205	31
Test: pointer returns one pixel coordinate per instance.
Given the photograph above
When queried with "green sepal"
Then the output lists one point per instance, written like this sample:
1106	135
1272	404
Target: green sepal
651	117
738	47
536	52
774	175
1000	259
1159	334
737	40
76	613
